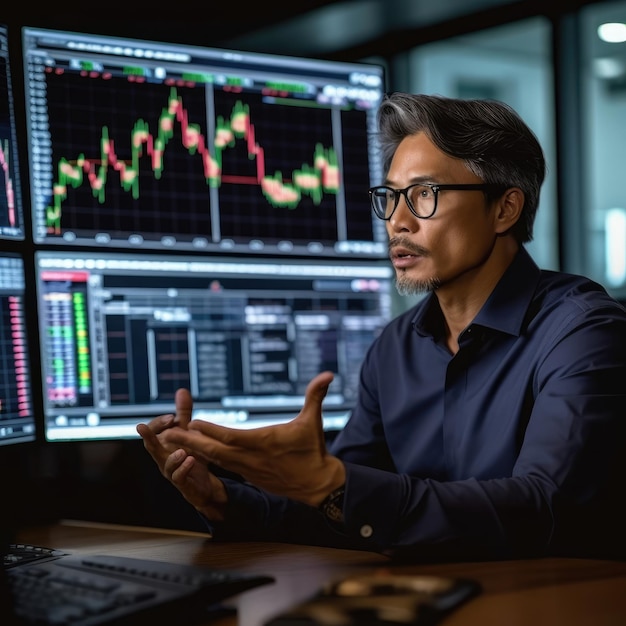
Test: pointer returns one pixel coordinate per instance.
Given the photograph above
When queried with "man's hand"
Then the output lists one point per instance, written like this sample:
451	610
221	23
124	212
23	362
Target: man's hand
287	459
197	484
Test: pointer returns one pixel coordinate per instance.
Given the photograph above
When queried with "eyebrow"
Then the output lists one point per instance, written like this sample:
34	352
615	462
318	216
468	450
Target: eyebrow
417	180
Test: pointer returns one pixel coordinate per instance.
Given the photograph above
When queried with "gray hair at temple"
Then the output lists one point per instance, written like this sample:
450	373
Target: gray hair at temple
488	135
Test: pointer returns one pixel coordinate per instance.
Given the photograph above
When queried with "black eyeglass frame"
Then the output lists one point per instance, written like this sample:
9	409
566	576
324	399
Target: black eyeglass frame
435	187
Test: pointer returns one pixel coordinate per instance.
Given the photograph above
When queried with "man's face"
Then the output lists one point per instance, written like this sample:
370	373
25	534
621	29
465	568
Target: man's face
451	246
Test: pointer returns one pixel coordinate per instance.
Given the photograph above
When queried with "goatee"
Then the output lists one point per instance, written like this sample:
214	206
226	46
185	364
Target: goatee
407	287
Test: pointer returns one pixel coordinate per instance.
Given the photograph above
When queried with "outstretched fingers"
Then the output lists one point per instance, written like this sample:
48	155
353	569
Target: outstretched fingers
184	407
149	432
153	446
315	393
248	450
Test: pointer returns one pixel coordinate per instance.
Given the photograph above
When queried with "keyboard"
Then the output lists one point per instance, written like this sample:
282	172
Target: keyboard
22	553
54	588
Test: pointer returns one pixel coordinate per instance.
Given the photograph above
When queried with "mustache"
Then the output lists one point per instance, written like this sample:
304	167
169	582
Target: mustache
405	244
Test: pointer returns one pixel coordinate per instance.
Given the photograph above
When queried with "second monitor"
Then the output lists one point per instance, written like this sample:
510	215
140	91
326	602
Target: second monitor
119	334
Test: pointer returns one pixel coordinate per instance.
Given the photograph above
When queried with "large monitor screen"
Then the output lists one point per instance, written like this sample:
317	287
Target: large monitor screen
121	333
17	422
147	145
11	217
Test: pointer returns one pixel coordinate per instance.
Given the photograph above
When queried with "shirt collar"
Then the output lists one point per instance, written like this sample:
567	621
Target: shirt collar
504	310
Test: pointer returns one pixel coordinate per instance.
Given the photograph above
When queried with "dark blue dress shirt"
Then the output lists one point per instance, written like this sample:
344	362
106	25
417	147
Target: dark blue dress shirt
514	446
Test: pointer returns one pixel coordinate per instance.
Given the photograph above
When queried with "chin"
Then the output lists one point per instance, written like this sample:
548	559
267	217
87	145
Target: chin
407	286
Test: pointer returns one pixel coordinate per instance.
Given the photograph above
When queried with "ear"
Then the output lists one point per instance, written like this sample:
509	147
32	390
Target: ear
508	209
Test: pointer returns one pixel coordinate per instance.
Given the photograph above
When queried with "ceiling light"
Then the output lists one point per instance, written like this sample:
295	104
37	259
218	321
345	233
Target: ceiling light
612	32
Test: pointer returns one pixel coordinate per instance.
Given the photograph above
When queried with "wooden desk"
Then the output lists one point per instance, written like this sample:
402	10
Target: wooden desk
538	592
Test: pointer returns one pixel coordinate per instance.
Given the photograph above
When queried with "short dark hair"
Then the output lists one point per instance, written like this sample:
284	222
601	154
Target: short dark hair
488	135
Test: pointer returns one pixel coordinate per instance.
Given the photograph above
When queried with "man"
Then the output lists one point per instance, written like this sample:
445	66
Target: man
490	421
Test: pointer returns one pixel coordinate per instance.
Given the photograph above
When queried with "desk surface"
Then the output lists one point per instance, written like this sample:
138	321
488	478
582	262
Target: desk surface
536	592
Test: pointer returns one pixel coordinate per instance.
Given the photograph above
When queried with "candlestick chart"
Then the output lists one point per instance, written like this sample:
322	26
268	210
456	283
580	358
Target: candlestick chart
180	161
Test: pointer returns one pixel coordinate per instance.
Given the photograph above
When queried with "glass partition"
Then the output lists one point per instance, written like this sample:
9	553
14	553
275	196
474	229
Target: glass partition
603	80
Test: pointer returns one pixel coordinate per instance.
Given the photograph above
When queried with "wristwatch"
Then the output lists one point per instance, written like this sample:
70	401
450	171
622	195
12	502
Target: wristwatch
332	506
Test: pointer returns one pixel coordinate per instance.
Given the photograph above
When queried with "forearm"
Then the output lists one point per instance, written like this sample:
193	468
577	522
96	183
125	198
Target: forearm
425	519
255	515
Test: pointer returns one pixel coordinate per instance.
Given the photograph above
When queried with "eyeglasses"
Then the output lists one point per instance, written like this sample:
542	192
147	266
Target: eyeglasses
421	198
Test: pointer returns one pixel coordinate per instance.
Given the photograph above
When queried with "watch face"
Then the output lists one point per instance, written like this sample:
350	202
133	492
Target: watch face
332	507
334	513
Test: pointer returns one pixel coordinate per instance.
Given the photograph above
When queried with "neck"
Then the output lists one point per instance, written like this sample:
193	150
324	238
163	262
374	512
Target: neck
461	299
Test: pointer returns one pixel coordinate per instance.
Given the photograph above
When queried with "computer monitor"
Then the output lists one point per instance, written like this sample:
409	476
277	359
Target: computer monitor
18	427
17	421
11	216
158	146
121	333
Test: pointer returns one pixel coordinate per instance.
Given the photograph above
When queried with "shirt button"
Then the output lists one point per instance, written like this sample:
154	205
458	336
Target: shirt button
366	531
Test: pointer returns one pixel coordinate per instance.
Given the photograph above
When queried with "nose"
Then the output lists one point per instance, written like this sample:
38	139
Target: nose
402	219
